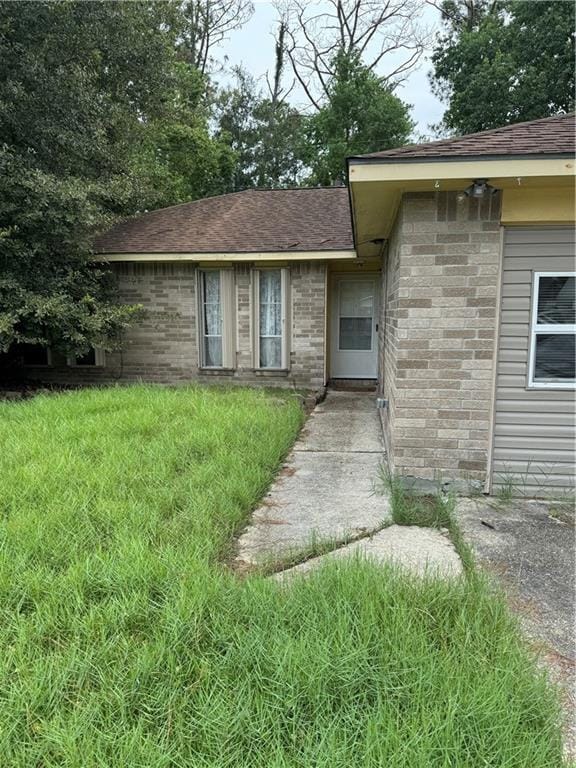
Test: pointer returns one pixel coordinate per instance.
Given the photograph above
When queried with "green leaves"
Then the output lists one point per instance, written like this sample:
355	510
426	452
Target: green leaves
265	135
361	115
73	105
504	62
103	113
276	145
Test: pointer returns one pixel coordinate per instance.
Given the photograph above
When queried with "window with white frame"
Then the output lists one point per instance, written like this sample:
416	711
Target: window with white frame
553	331
93	358
270	319
216	294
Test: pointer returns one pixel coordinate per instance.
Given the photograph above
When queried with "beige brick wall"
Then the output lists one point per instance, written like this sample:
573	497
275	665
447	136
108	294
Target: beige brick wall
163	345
441	278
388	336
308	310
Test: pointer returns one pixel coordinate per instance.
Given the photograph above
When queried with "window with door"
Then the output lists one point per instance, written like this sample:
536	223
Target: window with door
553	331
356	315
270	318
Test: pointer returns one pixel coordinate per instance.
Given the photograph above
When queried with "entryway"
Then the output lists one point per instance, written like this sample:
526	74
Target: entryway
354	326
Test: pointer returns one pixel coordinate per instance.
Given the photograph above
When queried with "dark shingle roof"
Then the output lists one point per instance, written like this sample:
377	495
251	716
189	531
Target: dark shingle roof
313	219
549	136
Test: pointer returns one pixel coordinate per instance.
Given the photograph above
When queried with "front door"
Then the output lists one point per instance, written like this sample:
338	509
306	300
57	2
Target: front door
354	327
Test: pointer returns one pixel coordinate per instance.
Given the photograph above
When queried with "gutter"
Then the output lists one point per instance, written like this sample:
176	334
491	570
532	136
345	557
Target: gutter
455	158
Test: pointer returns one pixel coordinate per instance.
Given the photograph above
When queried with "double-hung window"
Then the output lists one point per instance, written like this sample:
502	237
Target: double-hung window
216	296
271	303
553	331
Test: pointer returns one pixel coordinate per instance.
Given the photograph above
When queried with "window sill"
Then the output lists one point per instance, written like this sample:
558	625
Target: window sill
279	372
216	371
557	386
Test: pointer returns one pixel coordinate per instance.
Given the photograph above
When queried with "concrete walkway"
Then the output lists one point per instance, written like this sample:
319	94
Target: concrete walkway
326	492
326	487
424	551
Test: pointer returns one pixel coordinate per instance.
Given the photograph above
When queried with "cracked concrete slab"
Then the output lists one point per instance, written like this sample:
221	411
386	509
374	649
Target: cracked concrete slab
422	551
316	495
326	489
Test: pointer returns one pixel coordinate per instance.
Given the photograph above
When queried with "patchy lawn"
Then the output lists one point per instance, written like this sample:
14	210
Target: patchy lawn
124	640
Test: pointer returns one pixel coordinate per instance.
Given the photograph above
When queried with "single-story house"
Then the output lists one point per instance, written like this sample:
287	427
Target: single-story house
444	273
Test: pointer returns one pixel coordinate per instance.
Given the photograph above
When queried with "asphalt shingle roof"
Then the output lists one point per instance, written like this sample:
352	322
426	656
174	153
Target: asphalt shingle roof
291	220
549	136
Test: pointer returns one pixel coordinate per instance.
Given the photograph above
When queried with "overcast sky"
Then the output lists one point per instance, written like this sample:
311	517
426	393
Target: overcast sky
253	47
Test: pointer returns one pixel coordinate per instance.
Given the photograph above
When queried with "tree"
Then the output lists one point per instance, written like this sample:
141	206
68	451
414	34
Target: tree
384	34
73	105
265	135
265	132
504	62
178	158
361	115
207	24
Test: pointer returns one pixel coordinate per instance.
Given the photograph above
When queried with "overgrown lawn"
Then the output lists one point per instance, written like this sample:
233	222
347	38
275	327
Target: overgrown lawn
126	641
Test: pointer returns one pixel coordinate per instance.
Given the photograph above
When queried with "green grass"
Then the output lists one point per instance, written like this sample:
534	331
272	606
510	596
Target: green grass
126	642
429	511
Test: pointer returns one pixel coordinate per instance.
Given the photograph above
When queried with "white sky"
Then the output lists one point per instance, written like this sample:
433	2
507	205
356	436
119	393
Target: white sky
253	47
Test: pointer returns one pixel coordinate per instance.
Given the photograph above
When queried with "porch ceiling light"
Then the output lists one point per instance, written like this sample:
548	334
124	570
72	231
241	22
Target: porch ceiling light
479	189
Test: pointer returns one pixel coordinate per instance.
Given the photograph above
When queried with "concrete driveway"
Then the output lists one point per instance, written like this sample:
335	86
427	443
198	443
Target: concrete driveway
529	547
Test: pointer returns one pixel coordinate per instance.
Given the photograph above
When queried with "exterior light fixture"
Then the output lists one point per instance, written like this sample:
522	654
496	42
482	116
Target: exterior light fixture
479	189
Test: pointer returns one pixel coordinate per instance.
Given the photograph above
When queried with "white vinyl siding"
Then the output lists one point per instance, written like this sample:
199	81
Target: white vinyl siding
534	427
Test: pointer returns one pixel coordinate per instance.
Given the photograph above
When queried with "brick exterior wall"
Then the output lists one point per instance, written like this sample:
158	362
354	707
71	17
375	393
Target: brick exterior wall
308	321
163	345
441	282
388	336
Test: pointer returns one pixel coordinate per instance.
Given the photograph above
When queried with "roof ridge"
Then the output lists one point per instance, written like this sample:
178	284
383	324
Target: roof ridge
188	202
503	128
229	194
294	189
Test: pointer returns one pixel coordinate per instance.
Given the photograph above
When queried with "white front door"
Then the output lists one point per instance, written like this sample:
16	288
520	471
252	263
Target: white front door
354	327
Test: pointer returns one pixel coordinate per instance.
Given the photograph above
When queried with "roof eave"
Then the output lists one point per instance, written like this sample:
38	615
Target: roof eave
224	256
502	171
454	158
